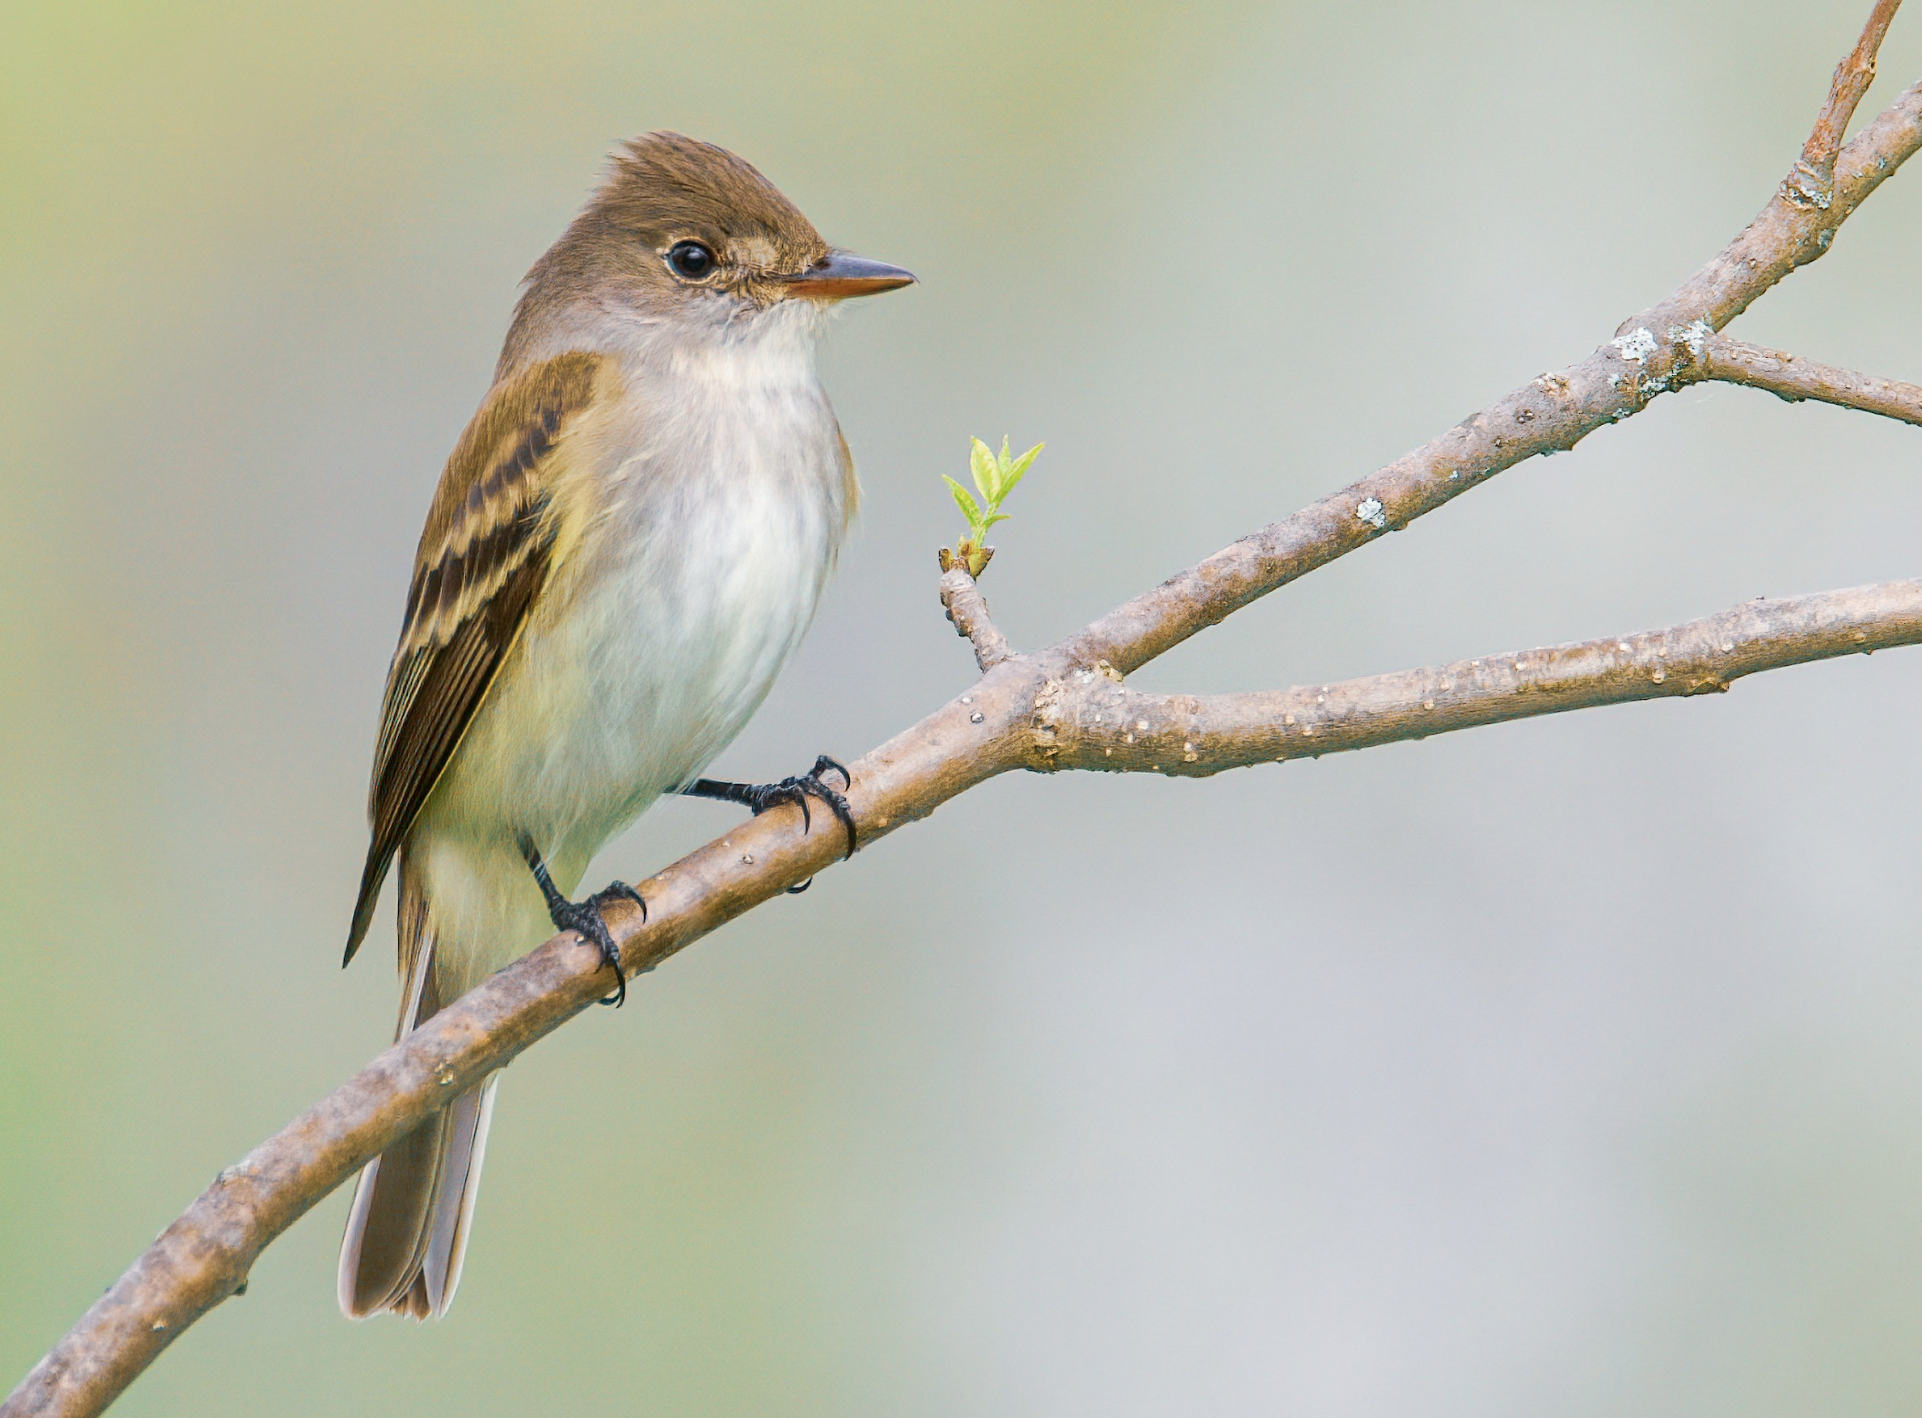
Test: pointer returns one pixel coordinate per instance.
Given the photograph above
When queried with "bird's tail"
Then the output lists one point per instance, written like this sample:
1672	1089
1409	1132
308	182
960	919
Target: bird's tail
413	1205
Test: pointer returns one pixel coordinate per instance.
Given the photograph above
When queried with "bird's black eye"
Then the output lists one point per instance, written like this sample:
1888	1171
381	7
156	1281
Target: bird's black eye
690	260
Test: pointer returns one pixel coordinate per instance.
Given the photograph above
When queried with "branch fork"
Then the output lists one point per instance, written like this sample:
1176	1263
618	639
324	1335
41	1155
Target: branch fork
1811	182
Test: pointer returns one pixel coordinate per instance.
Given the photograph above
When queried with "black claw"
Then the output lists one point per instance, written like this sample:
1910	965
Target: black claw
626	893
759	797
797	890
584	917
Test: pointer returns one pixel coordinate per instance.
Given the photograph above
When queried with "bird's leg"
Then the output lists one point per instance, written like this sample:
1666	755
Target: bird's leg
584	917
759	797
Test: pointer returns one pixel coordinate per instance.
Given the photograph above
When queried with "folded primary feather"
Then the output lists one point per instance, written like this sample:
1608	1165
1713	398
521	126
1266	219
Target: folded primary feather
483	558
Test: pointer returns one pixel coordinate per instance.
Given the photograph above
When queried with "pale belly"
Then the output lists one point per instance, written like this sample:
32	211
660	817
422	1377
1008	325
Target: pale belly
646	673
654	670
691	585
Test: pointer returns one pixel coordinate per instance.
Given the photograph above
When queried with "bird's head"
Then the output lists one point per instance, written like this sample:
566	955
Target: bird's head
686	233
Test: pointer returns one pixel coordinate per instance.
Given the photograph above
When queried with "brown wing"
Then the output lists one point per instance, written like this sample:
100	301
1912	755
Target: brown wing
484	557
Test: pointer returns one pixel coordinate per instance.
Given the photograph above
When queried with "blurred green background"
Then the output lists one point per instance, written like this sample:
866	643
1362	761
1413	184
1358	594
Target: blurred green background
1566	1067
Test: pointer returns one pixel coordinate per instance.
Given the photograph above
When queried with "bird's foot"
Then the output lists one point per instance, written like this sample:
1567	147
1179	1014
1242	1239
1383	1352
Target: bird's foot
759	797
584	917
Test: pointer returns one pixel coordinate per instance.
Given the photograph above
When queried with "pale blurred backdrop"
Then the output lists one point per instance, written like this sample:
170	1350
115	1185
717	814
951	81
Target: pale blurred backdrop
1565	1067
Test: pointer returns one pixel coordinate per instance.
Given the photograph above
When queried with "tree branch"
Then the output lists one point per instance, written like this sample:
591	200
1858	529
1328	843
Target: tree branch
1811	182
205	1255
1003	723
1090	721
1789	377
968	611
1550	414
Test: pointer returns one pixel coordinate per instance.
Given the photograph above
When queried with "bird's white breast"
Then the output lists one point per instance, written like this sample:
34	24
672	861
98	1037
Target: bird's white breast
719	497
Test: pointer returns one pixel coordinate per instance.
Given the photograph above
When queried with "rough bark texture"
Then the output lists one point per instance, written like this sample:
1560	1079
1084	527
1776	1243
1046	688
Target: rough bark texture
1790	377
1811	182
968	613
1066	708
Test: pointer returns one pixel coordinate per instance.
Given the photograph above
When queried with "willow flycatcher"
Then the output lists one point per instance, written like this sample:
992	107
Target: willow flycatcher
627	543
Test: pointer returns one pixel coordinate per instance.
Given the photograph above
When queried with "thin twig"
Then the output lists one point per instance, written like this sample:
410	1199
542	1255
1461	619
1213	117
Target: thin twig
1088	721
1793	378
1811	182
205	1255
968	611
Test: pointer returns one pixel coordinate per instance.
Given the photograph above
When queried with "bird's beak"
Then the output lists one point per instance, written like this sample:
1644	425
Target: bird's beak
840	275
